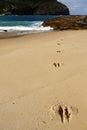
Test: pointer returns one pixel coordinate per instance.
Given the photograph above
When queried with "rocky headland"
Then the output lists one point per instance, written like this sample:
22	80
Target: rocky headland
32	7
67	22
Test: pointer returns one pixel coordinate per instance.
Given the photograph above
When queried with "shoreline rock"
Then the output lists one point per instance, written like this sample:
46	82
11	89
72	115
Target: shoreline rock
67	22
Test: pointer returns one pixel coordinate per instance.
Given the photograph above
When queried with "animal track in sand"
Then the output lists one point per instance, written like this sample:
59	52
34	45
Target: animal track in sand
63	111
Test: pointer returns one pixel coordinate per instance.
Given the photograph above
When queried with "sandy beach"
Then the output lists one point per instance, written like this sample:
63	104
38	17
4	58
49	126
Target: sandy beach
43	81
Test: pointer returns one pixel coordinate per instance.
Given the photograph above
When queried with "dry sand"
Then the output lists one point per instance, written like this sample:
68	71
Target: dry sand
43	79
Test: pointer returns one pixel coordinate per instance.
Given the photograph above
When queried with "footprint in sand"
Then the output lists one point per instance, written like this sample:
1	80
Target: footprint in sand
58	44
61	39
65	112
56	64
58	51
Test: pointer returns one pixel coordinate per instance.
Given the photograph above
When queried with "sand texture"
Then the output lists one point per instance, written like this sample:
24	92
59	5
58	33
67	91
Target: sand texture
43	81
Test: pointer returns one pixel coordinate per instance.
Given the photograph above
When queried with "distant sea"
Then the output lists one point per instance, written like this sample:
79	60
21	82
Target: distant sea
28	24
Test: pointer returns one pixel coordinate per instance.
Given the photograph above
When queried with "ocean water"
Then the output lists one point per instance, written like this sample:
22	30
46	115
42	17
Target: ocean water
28	24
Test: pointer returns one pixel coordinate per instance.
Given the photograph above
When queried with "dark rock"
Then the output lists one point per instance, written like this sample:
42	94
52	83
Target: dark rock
5	30
30	7
67	22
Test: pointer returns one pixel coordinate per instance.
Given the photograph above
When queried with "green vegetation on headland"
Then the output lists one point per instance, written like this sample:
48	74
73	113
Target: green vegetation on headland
32	7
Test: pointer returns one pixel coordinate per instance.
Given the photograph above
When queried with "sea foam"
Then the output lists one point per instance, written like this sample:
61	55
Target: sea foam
30	28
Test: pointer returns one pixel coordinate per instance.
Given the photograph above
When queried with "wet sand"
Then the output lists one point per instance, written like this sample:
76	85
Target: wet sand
10	34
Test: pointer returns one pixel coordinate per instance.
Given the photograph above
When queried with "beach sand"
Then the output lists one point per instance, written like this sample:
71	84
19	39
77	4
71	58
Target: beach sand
43	81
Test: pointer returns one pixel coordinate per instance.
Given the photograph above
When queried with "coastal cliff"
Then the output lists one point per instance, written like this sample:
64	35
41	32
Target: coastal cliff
67	22
33	7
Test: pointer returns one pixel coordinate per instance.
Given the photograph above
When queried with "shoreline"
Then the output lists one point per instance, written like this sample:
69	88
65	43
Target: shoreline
16	34
12	34
40	75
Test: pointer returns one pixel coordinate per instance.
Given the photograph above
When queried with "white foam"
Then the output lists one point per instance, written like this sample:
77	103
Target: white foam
36	26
